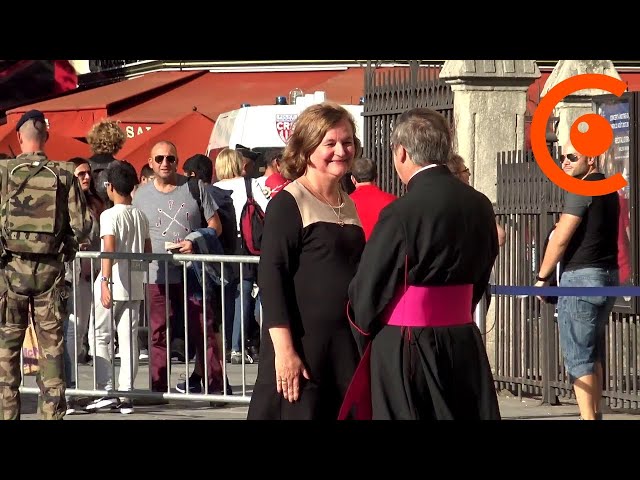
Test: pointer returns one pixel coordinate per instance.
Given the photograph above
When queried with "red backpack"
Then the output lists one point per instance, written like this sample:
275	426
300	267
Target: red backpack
251	222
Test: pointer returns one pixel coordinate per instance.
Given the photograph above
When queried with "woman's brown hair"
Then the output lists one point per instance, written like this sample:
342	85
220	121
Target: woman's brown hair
309	130
94	202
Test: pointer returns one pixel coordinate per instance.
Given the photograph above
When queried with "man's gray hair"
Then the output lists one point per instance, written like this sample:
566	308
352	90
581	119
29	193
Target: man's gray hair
425	134
364	170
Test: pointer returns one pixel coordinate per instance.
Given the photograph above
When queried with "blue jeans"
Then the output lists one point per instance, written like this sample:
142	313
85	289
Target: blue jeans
582	319
249	305
230	294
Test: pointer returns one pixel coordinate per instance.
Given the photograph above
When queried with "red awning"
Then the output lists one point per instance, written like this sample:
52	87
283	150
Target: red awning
189	133
214	93
74	114
159	97
58	147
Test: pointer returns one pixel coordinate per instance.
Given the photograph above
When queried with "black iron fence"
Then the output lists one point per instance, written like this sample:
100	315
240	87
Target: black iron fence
387	94
527	357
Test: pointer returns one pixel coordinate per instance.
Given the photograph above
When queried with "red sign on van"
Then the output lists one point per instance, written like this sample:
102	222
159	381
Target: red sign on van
284	125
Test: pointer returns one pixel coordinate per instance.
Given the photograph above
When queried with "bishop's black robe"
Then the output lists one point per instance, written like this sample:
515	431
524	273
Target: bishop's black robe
441	232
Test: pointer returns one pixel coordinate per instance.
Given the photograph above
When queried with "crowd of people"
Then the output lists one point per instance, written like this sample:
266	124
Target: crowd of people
367	298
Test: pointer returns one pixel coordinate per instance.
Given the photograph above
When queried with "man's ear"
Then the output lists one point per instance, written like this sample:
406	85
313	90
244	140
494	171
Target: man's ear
401	154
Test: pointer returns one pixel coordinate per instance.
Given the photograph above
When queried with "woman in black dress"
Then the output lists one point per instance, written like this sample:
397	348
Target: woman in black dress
311	247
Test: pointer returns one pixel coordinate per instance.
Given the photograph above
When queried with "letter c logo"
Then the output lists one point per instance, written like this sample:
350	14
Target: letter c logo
592	141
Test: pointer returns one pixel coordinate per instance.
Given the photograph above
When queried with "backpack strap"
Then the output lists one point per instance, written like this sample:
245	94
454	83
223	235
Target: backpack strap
248	186
39	164
194	188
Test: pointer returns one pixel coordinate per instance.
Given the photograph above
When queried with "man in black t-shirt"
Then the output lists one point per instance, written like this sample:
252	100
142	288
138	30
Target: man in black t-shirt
585	241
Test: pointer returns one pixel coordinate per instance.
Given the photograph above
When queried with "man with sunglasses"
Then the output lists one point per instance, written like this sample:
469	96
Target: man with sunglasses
585	242
173	213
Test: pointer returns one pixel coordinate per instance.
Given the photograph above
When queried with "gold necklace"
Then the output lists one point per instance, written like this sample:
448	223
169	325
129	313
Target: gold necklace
333	209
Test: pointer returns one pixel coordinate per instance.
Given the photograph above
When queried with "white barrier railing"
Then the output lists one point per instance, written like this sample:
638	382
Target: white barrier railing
169	394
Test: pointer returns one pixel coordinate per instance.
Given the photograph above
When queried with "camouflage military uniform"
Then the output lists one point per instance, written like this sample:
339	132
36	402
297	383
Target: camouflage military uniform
35	281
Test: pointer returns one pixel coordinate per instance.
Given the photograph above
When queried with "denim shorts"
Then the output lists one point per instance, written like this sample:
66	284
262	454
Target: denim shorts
582	320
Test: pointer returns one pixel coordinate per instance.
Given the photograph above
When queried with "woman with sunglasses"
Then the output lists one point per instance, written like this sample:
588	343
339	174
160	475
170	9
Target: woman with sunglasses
75	326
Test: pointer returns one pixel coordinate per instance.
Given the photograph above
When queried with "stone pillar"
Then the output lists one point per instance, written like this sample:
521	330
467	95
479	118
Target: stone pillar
578	103
490	103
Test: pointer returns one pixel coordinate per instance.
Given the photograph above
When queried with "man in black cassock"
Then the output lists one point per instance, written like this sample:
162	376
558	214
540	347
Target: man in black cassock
424	269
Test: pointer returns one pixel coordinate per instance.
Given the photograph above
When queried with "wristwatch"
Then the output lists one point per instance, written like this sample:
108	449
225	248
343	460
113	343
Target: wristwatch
105	279
541	279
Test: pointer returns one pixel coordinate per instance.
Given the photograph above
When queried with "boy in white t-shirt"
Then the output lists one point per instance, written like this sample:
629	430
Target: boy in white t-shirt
119	287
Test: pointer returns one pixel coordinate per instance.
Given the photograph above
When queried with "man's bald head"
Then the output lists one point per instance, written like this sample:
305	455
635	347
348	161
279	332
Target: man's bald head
161	145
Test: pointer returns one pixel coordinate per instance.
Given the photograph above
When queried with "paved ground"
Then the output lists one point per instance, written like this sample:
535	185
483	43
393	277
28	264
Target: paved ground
511	407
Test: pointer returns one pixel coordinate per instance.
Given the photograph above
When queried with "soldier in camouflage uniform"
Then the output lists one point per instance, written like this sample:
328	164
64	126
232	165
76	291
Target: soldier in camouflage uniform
33	277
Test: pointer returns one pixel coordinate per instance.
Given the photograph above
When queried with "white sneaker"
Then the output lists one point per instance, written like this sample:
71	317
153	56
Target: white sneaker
71	406
144	355
103	403
236	358
126	407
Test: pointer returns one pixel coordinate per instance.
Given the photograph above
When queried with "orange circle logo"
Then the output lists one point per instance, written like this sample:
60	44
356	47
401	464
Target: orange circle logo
591	134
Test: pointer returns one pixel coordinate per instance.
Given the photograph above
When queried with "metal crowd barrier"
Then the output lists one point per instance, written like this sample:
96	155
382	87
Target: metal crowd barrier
142	389
550	380
528	359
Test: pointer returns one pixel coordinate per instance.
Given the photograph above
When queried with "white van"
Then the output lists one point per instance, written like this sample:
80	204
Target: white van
264	126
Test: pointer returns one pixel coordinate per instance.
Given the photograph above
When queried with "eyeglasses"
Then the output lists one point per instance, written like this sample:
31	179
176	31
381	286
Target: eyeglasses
159	158
572	157
466	170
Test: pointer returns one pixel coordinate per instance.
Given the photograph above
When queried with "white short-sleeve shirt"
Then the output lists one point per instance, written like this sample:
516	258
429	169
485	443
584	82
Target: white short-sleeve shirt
130	227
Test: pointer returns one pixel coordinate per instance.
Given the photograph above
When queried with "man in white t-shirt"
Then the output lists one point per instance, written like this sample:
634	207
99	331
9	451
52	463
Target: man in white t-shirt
119	288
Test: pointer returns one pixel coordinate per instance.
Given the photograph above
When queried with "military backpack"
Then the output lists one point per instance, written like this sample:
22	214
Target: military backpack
34	208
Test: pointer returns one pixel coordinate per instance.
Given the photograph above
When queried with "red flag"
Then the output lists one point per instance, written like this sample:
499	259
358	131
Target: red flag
27	81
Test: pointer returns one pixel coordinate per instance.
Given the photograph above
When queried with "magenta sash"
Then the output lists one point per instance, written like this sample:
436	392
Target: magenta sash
432	306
